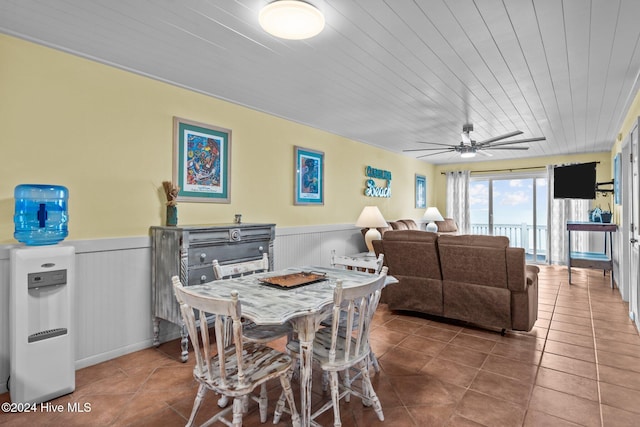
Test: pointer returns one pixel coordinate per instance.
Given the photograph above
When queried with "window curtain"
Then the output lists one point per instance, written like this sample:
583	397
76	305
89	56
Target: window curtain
559	212
458	199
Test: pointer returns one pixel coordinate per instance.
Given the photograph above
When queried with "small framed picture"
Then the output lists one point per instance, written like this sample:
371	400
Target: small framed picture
421	192
201	162
309	177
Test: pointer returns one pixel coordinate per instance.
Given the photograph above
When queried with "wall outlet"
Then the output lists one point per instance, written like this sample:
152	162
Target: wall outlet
632	316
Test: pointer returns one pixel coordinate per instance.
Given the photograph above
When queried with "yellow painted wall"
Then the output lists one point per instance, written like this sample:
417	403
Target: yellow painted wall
106	134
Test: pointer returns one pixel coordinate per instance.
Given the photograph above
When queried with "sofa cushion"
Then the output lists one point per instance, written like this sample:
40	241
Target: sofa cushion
473	259
411	253
411	224
474	240
447	226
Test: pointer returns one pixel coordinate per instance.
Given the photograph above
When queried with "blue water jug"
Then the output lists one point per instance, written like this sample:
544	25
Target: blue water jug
41	214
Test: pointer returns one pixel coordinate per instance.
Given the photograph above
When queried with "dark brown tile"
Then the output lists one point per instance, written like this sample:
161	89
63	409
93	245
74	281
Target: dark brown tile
569	365
450	372
463	355
425	390
473	342
568	383
401	361
620	397
511	368
402	325
565	406
425	345
436	333
615	417
502	387
490	411
621	377
571	350
540	419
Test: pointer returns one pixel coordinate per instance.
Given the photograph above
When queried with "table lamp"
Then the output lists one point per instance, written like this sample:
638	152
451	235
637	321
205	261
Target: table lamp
370	218
432	214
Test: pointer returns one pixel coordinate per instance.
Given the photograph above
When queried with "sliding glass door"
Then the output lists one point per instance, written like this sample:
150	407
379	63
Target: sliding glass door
512	206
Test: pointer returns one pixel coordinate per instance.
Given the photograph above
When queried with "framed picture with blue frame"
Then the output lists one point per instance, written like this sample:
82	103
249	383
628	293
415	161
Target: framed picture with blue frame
201	162
616	180
309	177
421	192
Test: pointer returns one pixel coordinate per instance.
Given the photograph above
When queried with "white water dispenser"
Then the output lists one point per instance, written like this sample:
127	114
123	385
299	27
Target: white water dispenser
42	350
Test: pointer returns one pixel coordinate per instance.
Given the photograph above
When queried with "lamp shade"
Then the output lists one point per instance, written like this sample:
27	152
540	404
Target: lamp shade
371	217
432	214
291	19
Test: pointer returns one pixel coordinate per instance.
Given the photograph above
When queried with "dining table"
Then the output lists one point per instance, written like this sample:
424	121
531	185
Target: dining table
303	306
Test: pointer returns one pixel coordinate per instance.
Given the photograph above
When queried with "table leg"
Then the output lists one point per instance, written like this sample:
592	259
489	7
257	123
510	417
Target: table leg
306	329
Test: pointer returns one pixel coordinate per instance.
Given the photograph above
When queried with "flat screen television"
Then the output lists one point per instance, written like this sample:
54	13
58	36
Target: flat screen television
575	181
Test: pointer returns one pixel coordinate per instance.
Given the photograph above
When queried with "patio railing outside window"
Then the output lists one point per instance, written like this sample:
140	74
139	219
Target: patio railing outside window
520	235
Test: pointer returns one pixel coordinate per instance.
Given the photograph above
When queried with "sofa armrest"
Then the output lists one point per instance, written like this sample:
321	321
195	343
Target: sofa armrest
516	270
531	274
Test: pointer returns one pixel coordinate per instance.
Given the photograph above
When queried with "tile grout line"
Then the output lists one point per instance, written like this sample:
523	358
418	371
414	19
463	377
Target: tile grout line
544	346
595	350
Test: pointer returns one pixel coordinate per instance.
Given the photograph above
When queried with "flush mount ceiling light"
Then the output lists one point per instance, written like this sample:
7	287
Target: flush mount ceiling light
291	19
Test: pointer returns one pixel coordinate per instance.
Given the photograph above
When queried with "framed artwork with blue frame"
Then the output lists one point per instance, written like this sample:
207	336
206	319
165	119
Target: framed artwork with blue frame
616	180
421	192
201	162
309	176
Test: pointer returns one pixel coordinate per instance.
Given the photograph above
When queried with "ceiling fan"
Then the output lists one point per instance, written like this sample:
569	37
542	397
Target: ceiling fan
469	147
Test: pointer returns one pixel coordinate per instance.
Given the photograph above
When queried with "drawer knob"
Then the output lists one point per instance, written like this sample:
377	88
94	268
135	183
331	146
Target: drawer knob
260	248
203	278
203	256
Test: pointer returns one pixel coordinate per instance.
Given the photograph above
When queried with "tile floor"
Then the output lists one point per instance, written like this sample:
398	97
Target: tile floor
580	365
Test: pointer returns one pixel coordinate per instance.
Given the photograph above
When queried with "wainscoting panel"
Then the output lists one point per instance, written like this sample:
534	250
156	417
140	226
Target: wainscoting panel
112	294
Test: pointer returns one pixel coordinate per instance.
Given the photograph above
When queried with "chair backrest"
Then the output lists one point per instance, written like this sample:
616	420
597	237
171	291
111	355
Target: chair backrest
240	268
353	309
369	264
194	309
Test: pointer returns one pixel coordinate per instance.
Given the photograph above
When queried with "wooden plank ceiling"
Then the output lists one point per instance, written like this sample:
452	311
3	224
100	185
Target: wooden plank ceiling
384	72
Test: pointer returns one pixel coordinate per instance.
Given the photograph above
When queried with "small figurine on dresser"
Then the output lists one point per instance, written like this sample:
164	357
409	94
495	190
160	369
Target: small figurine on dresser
172	202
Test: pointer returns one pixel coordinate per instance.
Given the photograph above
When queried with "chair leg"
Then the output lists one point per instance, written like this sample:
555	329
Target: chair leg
287	392
335	398
374	361
263	403
347	384
196	404
238	411
369	392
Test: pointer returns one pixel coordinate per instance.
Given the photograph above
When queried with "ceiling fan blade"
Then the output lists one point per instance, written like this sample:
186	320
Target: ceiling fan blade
484	153
498	138
434	154
518	141
429	149
434	143
491	147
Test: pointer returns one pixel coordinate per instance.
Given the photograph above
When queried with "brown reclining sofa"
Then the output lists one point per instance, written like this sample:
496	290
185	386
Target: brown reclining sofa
472	278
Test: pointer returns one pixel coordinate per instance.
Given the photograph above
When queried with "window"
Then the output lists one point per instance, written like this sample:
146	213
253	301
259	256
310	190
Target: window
514	206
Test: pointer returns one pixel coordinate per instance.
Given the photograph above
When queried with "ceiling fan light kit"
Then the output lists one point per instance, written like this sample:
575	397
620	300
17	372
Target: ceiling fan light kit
291	19
468	147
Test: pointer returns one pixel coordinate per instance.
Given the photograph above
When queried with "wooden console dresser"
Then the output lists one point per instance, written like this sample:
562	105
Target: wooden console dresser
188	252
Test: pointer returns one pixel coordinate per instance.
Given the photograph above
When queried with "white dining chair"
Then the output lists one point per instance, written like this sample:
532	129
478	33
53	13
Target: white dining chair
346	344
252	332
237	369
369	264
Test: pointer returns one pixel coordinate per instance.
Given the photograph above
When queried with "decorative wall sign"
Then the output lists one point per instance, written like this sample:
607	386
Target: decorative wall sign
201	162
421	191
371	189
616	180
309	177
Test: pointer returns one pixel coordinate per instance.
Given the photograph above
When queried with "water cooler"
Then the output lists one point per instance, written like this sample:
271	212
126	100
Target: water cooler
42	355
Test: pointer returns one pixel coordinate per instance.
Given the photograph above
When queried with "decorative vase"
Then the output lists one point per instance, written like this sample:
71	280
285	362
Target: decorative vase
172	215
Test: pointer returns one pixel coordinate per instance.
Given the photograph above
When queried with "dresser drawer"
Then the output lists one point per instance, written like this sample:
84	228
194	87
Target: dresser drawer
200	275
236	252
